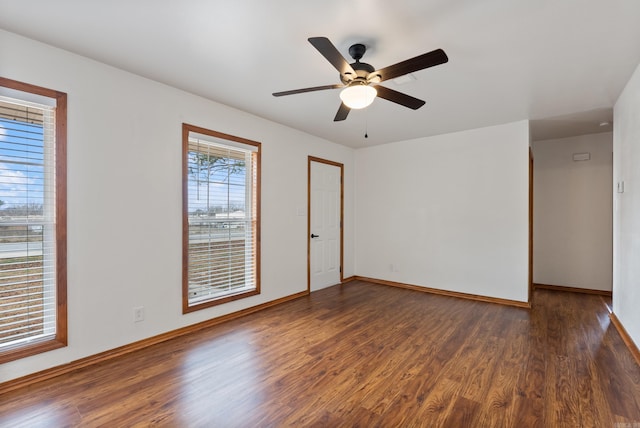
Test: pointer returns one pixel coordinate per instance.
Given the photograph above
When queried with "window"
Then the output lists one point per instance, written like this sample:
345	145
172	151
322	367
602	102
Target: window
33	308
221	218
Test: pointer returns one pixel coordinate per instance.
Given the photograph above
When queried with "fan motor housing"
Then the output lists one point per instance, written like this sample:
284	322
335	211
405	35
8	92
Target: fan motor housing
362	70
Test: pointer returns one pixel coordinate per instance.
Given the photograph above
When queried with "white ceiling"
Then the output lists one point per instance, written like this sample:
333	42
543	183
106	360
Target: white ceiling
508	59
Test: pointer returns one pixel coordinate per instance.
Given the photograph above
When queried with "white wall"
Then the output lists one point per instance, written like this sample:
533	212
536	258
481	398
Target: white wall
124	199
448	212
626	208
572	222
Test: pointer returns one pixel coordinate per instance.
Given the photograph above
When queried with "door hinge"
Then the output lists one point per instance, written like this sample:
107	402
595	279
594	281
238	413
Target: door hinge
340	269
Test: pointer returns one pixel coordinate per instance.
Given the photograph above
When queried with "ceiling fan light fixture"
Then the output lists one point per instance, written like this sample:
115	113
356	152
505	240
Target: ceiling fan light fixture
358	95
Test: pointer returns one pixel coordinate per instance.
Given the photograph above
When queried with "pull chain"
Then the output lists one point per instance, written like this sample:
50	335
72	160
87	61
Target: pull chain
366	124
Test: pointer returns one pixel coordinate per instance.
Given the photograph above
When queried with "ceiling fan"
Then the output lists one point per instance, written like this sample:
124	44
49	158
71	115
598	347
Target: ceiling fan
360	80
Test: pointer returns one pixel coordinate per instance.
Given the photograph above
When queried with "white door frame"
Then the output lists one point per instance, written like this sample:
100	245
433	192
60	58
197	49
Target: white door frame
341	166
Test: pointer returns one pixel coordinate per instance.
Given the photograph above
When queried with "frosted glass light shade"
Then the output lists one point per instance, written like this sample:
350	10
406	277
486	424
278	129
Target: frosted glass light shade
358	96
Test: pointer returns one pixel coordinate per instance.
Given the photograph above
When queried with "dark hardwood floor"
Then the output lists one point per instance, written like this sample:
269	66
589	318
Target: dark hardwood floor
362	355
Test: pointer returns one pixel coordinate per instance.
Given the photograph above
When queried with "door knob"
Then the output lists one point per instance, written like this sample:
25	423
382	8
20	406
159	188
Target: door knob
315	236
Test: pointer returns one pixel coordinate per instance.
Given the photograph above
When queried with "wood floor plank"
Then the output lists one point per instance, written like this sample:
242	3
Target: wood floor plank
362	355
463	413
529	402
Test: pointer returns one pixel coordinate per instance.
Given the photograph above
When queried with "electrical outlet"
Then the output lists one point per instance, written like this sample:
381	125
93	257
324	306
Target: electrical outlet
138	314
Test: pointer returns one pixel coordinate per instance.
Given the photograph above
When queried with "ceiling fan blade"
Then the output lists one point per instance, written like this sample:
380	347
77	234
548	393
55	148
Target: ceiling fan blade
329	51
420	62
342	113
399	98
300	91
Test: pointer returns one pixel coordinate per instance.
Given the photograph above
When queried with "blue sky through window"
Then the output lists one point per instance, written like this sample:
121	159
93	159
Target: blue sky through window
21	165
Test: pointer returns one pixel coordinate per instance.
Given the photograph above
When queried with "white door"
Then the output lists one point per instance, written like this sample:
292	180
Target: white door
325	211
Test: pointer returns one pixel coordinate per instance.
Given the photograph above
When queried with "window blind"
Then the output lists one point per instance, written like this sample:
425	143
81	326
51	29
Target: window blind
27	223
222	220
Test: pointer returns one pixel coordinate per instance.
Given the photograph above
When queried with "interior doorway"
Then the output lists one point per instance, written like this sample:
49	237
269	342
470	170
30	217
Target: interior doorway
572	213
324	223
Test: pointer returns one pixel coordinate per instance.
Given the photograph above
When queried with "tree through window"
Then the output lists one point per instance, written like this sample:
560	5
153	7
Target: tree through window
221	225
